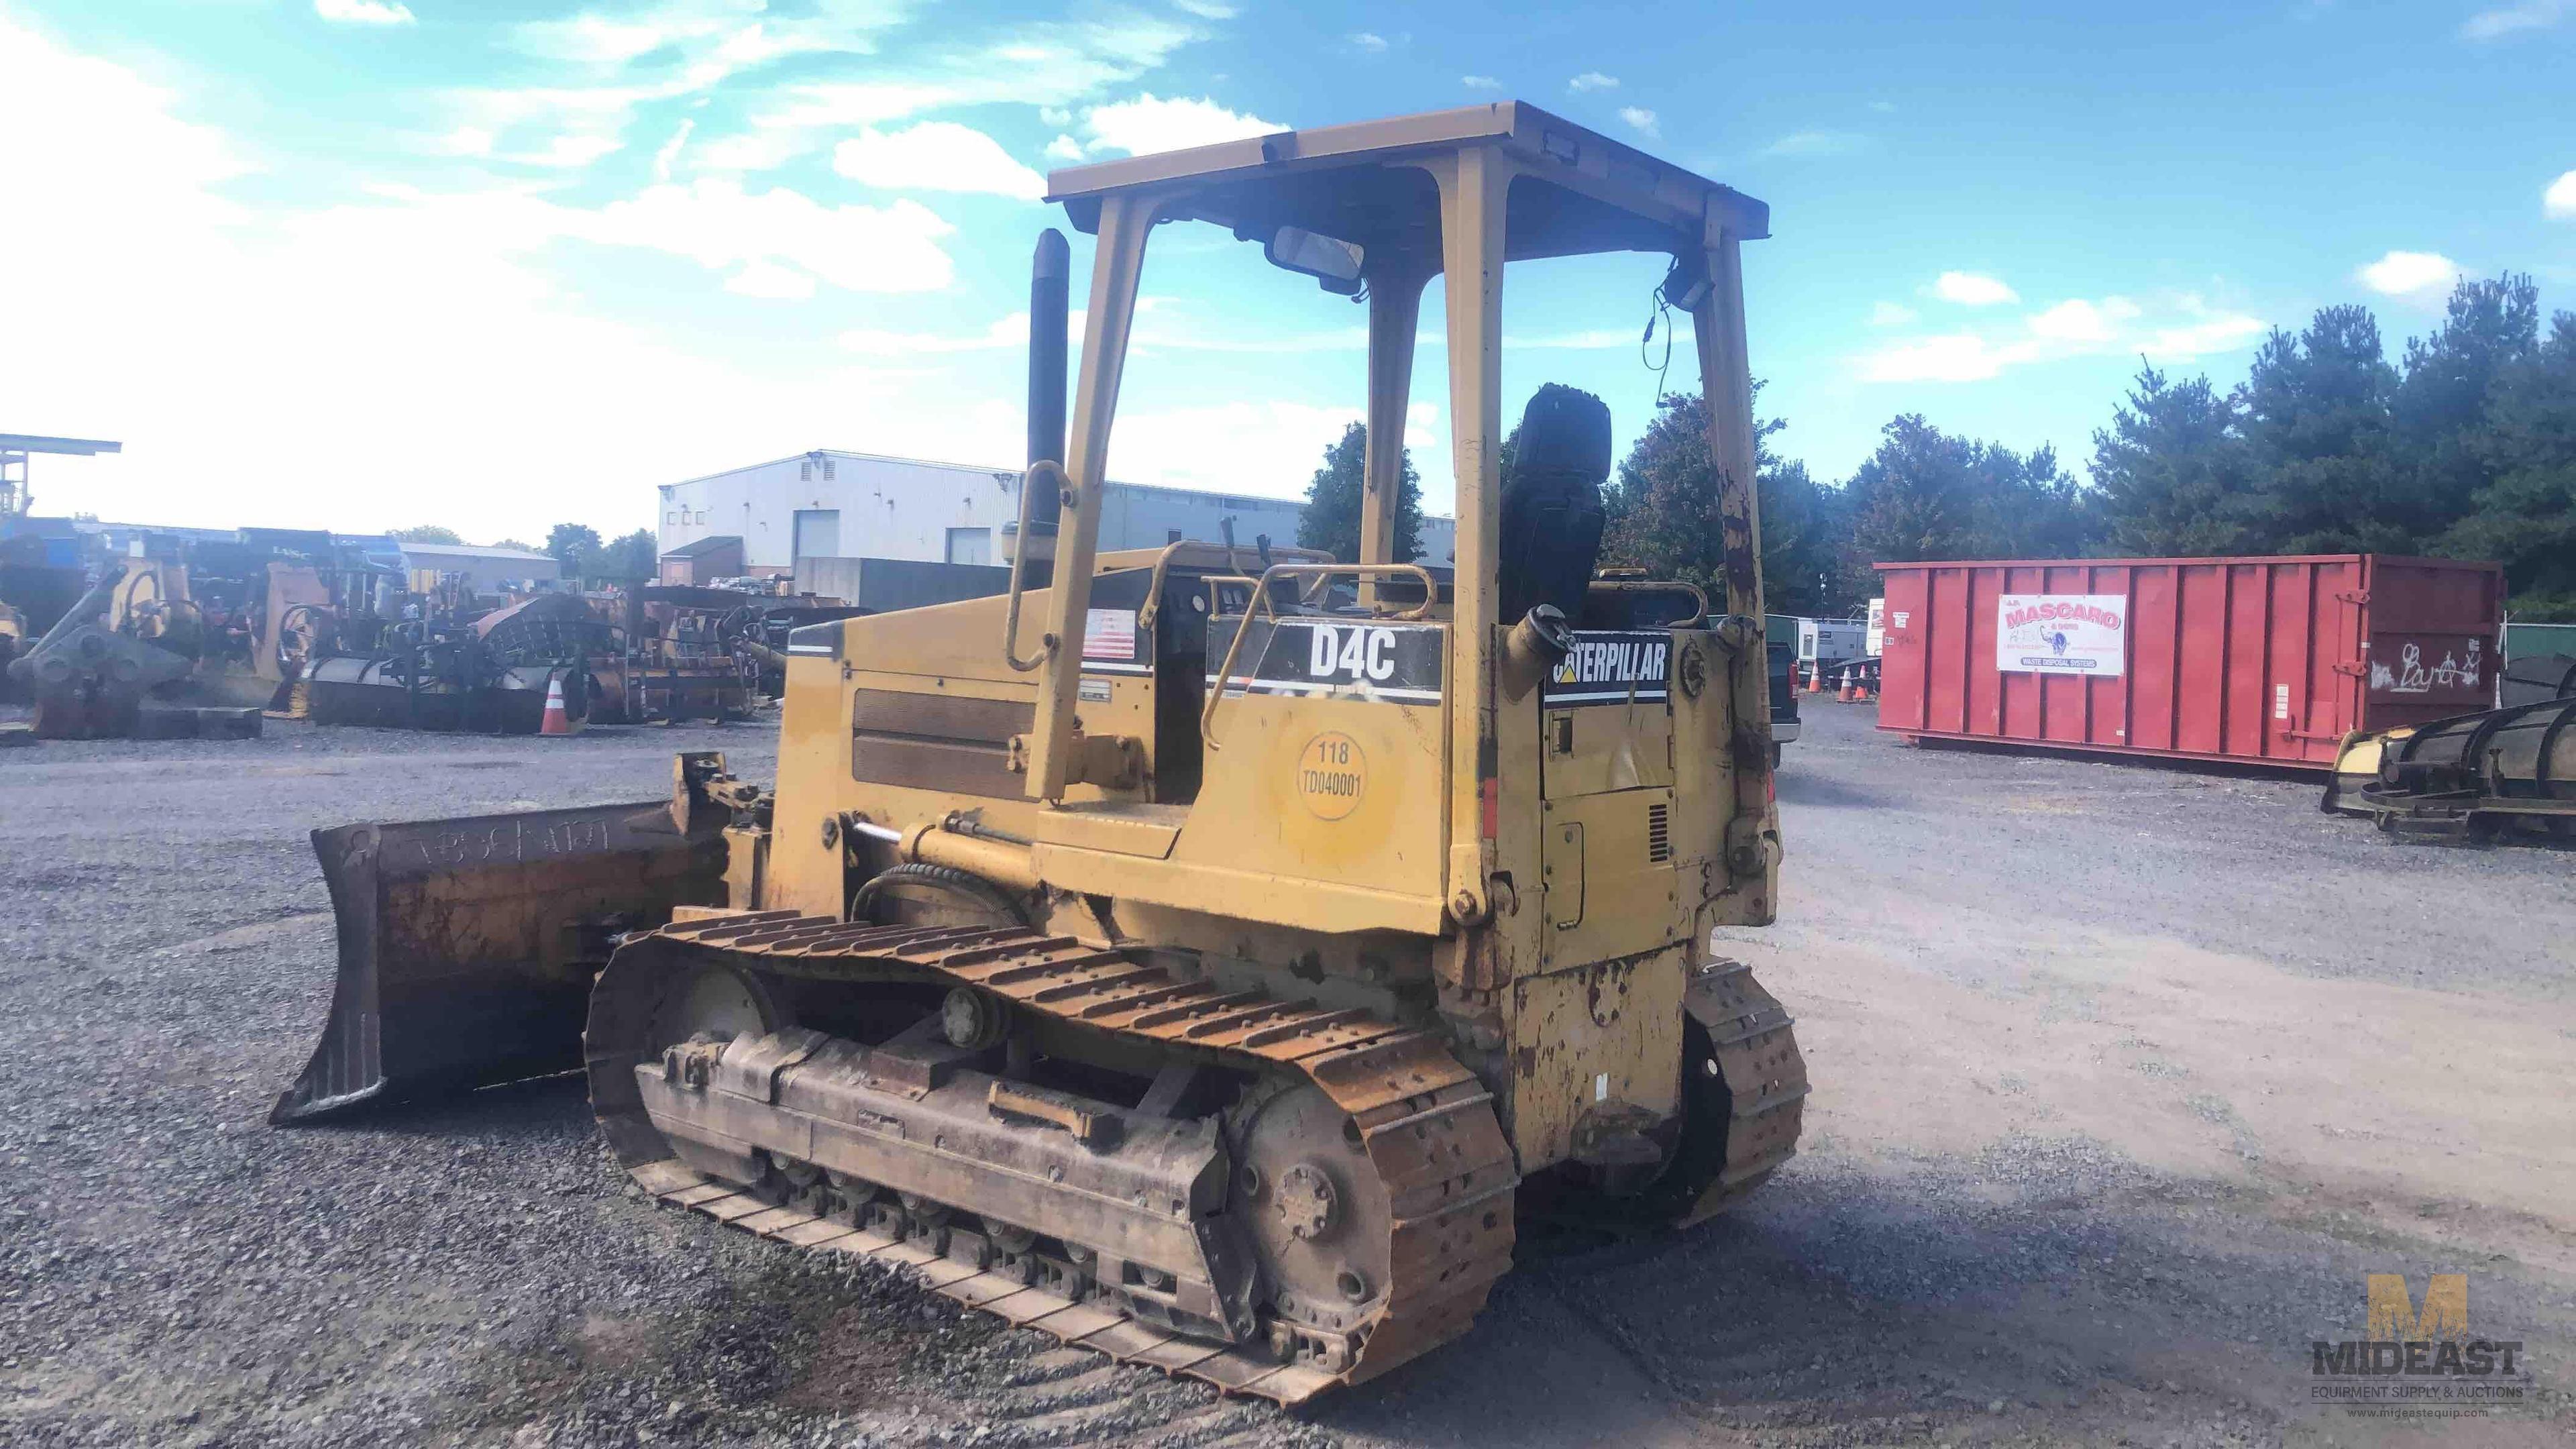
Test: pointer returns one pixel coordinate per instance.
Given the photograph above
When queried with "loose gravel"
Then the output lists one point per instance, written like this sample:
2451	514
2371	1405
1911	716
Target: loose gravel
2046	1196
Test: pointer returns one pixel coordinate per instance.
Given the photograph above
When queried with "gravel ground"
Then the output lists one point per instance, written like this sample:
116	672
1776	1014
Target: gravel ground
2126	1077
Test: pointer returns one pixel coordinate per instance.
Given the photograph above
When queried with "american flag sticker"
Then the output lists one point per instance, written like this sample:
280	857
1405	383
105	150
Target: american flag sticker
1109	634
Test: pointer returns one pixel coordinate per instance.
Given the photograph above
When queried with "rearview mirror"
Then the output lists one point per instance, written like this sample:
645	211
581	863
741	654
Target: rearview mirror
1329	260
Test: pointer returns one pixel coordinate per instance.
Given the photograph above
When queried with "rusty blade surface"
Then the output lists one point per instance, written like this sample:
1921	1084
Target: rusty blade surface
467	946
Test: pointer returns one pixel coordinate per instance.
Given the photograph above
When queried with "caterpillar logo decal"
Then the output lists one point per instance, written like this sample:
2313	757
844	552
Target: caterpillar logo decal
1614	667
1394	663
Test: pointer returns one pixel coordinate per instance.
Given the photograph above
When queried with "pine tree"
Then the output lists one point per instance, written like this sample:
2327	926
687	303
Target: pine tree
2166	469
2328	477
2526	517
1661	514
1331	521
1928	495
2440	411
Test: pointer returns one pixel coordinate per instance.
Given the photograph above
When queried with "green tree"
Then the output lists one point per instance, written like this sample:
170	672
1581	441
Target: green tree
2526	517
2440	413
1331	521
1926	494
514	543
1661	514
2327	474
425	533
576	546
2167	469
632	556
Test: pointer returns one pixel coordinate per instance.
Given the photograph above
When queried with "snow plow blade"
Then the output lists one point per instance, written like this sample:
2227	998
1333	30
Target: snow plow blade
467	947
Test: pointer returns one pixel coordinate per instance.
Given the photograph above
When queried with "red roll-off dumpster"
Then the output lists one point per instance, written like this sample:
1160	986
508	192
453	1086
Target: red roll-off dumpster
2263	660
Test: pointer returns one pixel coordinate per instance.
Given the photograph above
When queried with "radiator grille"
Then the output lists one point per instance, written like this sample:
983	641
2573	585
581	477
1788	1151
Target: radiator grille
1659	833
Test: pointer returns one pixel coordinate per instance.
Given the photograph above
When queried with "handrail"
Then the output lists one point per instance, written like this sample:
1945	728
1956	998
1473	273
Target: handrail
1047	644
1260	603
1152	608
1657	586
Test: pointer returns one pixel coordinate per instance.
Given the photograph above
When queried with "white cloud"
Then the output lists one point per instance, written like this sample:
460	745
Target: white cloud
936	156
364	12
604	67
670	152
1972	289
2512	19
1206	9
1009	332
1816	143
769	279
463	141
717	224
2077	320
2411	276
1884	108
1950	357
1065	149
1372	43
1147	124
1266	448
244	309
1592	80
1051	65
568	152
1641	118
597	40
1480	83
2177	327
2191	341
2560	199
1890	314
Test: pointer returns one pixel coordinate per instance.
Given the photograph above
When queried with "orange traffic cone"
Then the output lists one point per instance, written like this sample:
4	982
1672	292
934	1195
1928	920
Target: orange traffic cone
1816	678
557	721
1851	691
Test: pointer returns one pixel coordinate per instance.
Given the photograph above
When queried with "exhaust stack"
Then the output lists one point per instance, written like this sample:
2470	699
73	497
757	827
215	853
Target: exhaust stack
1049	306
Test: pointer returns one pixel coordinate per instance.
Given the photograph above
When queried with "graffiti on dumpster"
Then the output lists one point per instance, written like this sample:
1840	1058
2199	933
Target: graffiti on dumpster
2461	671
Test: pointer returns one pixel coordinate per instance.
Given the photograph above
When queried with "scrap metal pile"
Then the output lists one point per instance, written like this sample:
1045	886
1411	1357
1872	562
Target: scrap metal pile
161	648
648	653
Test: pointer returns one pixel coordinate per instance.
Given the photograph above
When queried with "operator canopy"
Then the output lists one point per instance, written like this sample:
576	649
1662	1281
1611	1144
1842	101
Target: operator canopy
1342	202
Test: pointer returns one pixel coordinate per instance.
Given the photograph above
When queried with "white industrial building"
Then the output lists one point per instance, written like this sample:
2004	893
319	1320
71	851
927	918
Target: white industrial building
831	504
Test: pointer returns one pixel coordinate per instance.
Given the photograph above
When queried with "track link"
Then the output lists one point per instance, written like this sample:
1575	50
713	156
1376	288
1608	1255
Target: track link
1756	1055
1427	1126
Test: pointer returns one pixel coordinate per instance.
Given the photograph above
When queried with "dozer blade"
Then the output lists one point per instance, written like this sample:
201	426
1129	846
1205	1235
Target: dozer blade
467	947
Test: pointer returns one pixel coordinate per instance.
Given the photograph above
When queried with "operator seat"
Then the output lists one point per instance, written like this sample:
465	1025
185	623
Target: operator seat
1551	523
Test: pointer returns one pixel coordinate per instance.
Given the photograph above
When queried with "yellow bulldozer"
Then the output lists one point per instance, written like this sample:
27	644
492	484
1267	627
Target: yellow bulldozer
1190	954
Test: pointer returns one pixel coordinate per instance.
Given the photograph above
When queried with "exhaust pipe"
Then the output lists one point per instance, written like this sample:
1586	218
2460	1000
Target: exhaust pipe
1050	294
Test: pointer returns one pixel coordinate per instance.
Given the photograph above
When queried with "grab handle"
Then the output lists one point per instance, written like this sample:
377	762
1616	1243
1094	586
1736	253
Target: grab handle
1053	475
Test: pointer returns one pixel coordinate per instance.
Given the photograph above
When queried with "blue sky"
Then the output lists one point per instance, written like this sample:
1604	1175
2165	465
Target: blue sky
361	263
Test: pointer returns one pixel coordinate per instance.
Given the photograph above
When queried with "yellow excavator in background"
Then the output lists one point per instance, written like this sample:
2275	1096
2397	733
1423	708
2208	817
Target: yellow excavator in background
1193	956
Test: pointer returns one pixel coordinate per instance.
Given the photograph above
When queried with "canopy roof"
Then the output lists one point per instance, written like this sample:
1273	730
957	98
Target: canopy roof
1363	183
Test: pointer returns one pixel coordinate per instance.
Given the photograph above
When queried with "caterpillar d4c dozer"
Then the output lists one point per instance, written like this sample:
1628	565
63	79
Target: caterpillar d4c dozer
1188	955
